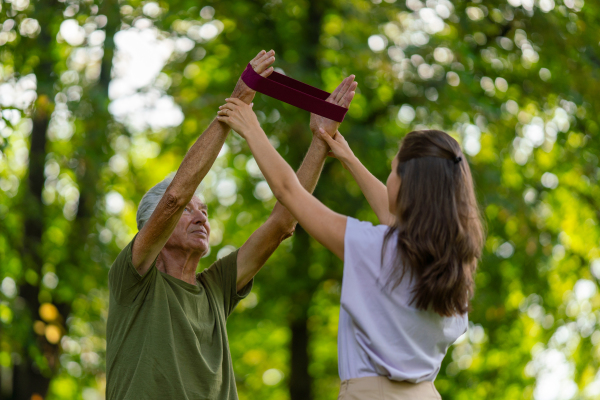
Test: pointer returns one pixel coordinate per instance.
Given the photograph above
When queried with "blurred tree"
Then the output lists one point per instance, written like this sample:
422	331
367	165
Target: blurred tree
514	81
41	313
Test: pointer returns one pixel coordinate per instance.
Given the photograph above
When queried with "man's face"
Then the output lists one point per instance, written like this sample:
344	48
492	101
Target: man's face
192	230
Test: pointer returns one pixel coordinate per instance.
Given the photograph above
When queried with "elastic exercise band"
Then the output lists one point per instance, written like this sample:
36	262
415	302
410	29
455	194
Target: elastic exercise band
296	93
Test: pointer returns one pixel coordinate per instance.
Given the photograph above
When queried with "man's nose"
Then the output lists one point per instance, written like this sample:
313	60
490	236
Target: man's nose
199	217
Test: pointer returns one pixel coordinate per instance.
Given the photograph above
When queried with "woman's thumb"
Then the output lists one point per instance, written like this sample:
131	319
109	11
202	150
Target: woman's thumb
338	136
325	136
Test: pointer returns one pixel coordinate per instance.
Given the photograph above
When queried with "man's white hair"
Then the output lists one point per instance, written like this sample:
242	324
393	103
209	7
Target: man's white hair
152	198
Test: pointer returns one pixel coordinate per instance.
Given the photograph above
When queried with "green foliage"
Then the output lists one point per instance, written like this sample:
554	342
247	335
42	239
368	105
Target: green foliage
515	82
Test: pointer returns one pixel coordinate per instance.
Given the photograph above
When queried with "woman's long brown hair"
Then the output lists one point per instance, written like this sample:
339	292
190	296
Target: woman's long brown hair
439	225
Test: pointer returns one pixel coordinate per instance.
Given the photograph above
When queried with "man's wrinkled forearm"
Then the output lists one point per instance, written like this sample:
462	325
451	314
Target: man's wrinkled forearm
243	92
308	175
283	220
310	170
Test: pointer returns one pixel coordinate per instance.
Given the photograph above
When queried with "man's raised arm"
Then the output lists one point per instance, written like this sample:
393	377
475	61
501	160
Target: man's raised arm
281	224
194	167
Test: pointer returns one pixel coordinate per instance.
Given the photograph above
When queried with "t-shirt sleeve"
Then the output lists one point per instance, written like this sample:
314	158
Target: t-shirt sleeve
125	284
221	278
362	246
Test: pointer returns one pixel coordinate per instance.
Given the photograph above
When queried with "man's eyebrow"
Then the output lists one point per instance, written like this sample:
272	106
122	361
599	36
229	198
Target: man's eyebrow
202	206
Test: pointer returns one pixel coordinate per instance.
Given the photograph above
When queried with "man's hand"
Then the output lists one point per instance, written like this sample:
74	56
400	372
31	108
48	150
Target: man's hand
262	66
342	96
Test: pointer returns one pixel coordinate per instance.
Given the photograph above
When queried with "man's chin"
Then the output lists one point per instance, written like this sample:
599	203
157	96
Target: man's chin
199	246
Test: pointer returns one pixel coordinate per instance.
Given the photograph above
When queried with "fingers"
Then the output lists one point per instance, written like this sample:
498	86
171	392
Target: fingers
349	82
333	142
347	87
347	99
261	67
267	72
339	89
255	59
264	61
233	100
260	57
264	56
228	106
334	94
339	138
325	136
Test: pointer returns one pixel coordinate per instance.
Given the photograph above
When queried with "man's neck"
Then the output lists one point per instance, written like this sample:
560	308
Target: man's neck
179	264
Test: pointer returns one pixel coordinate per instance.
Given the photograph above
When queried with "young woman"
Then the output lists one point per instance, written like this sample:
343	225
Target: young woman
407	282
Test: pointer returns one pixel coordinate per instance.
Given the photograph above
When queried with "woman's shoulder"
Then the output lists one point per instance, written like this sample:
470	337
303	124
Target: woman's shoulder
363	245
365	228
365	238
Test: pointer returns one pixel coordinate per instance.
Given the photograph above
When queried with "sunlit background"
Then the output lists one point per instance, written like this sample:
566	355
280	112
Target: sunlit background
101	100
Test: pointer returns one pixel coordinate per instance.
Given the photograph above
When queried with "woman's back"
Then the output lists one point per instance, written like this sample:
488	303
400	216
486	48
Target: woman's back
380	332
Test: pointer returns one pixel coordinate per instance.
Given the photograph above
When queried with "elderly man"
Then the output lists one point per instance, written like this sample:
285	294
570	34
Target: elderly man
166	324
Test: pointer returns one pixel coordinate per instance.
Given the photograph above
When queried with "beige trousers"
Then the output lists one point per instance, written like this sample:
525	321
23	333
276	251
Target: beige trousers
381	388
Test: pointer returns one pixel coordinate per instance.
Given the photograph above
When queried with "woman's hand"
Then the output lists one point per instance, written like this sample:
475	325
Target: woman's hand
239	116
339	147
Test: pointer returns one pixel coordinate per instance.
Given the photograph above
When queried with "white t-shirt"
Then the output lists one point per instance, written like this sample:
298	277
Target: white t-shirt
379	332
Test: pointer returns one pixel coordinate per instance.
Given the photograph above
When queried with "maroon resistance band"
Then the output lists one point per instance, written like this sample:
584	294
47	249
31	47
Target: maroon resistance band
296	93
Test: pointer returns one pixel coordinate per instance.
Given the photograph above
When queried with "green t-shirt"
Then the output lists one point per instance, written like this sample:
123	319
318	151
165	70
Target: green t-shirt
166	338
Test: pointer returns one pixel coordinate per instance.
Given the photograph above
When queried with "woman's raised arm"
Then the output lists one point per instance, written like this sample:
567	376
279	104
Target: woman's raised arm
374	190
326	226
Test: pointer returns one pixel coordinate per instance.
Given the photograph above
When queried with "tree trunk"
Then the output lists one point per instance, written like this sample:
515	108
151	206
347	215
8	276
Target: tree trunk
300	379
300	382
27	377
28	381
